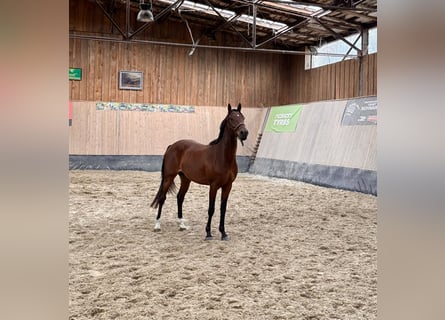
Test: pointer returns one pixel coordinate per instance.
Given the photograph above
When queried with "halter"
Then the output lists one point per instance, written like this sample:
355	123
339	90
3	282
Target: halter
239	124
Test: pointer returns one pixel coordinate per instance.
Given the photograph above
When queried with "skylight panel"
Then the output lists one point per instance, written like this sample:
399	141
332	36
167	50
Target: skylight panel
262	22
289	5
227	14
189	5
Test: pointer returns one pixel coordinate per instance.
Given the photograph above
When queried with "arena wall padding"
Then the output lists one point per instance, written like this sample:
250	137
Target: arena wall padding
149	163
352	179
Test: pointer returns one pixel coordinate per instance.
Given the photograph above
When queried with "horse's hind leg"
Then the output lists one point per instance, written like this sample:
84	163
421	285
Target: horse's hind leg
161	196
185	184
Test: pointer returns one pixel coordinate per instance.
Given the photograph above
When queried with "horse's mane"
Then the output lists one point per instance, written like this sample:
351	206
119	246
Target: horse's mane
221	132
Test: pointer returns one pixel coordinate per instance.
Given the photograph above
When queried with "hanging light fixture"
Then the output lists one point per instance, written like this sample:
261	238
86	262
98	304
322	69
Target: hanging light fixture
145	14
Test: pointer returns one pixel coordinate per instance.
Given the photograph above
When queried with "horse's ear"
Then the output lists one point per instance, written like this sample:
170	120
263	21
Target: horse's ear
229	107
239	107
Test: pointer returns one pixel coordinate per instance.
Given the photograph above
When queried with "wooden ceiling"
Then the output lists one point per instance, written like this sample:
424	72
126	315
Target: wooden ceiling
282	25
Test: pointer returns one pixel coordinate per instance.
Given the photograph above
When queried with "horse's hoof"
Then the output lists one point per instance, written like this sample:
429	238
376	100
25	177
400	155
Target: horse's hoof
182	225
225	238
209	238
157	227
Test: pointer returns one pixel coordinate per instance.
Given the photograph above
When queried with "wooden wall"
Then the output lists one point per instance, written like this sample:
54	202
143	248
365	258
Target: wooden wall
340	80
211	77
207	78
121	132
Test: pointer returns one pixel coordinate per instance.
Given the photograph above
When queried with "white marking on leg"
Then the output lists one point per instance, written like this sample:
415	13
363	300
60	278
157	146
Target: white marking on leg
182	225
158	225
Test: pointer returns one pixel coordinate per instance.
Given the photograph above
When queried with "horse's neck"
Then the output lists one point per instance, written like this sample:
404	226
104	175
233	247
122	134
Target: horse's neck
228	146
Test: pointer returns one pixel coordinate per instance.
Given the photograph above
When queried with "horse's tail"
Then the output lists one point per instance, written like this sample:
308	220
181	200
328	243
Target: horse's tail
171	188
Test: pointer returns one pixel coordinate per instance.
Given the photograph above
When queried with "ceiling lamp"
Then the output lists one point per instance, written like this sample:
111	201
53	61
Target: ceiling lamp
145	14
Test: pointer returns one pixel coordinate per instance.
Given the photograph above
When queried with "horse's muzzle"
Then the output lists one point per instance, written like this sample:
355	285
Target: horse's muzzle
242	135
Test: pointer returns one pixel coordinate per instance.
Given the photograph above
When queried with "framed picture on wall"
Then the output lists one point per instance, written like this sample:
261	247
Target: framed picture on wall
131	80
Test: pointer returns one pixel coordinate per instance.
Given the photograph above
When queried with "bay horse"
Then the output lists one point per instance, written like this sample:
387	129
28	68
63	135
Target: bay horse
213	165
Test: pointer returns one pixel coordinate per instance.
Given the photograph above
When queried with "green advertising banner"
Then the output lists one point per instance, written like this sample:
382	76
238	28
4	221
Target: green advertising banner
75	74
284	118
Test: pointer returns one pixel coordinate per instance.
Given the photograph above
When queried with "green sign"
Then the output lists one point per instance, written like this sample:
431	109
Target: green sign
75	74
284	118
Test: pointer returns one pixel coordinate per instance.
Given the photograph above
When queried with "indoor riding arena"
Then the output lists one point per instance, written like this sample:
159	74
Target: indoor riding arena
301	213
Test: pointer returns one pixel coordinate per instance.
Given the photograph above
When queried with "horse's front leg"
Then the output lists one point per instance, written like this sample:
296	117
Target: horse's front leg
224	197
212	197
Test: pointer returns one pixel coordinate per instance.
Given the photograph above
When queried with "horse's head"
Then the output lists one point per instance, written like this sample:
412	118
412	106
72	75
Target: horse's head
235	121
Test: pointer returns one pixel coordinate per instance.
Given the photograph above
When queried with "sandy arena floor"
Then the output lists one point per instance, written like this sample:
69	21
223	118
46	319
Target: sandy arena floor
297	251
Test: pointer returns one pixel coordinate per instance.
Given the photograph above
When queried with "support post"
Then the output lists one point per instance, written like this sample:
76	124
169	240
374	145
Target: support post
363	52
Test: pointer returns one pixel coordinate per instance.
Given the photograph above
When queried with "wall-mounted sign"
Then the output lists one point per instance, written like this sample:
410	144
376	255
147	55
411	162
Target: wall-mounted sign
284	118
360	111
75	74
